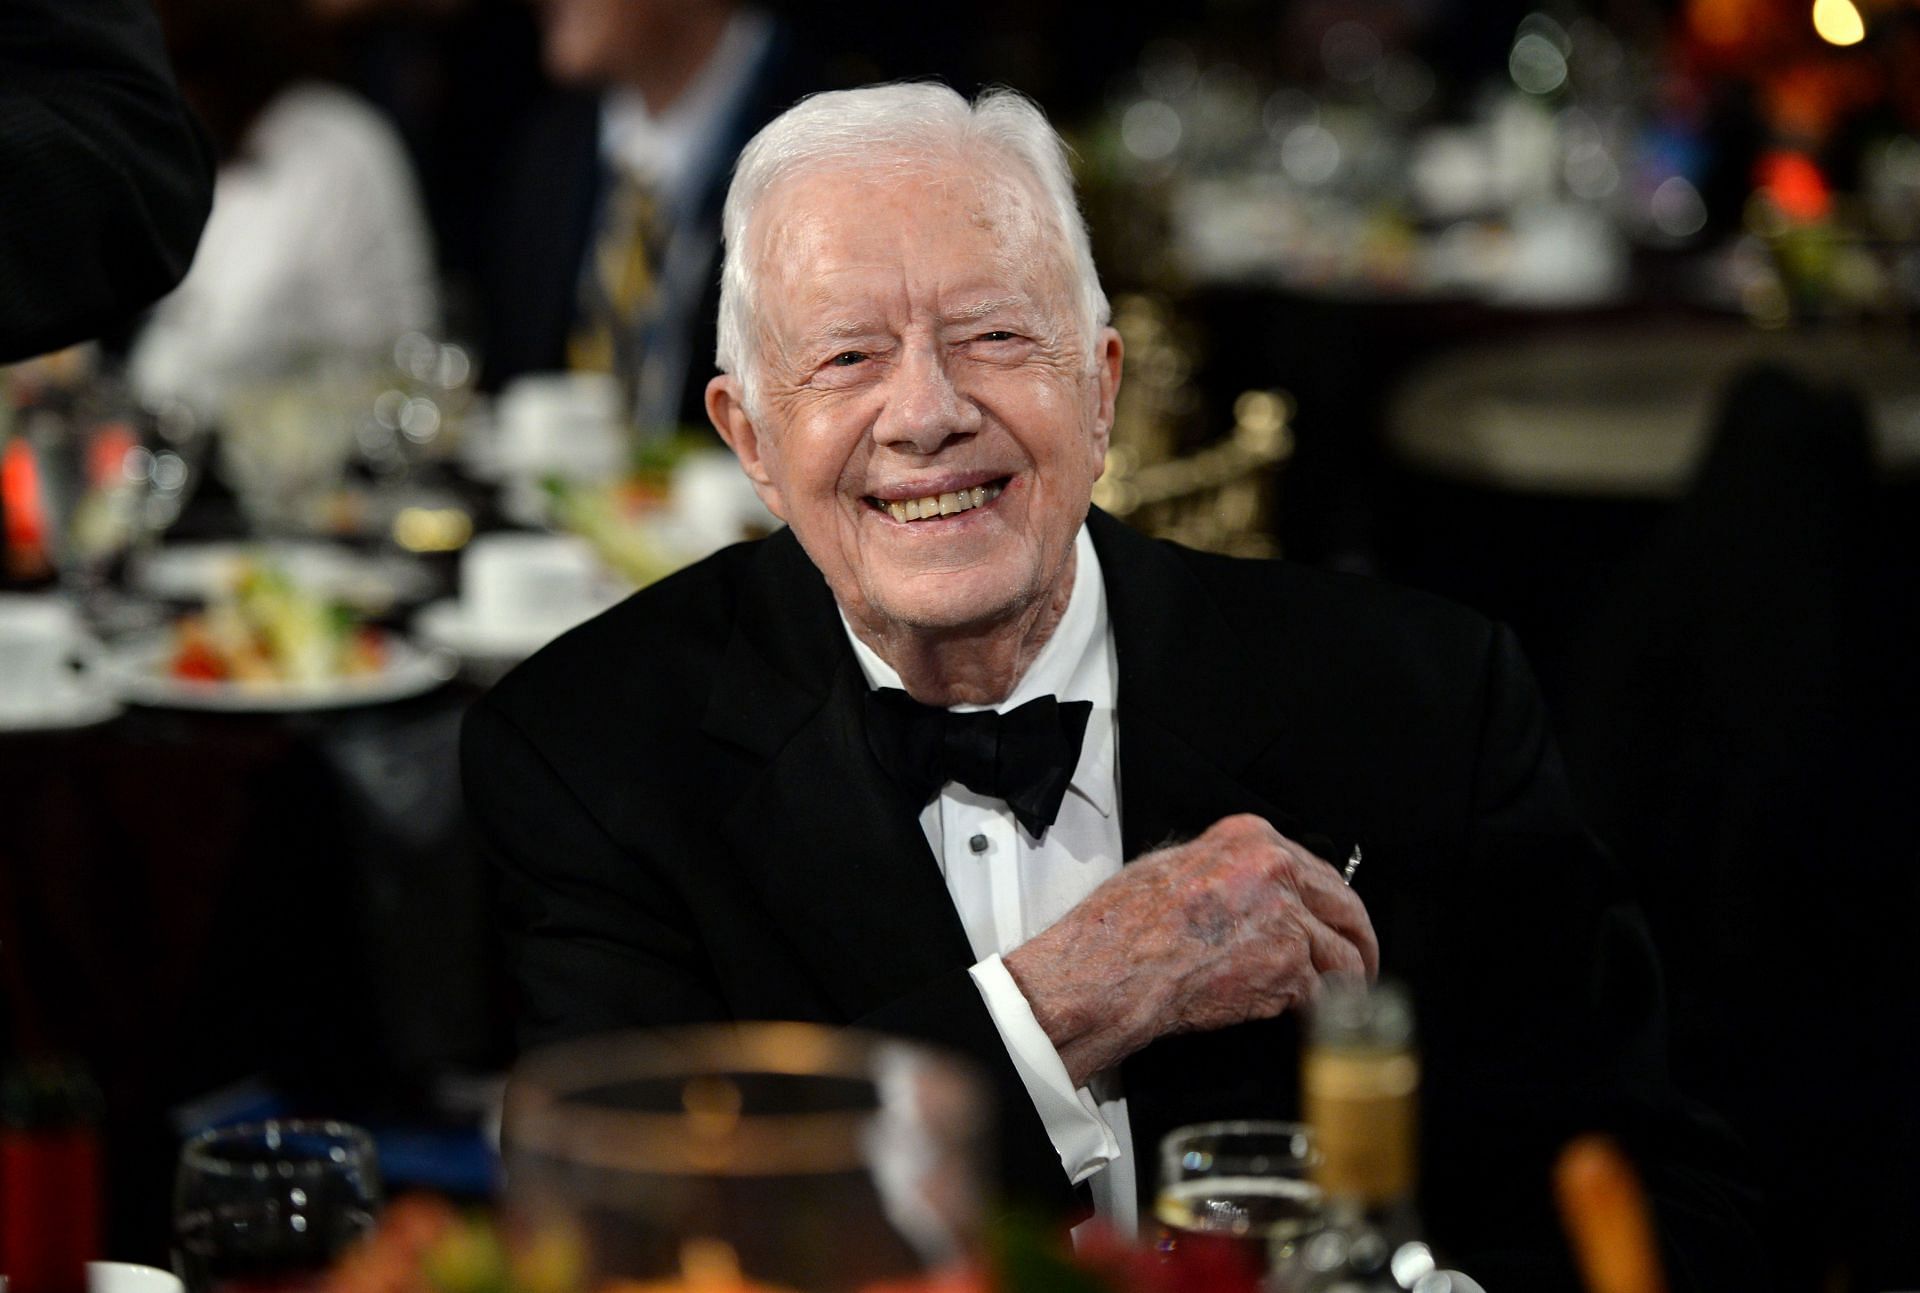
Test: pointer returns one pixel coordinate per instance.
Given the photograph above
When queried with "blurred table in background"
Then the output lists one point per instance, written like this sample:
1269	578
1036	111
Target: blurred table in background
1625	411
1522	473
252	890
1343	357
1427	452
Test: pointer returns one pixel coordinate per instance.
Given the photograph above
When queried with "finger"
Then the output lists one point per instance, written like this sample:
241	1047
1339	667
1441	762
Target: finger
1323	894
1333	952
1316	880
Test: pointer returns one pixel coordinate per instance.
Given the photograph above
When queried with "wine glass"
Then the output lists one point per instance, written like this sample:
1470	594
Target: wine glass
110	475
753	1156
1239	1190
266	1207
286	440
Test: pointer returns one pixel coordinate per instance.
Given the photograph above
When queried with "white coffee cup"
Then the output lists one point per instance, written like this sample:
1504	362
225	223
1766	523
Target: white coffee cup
563	424
41	640
124	1277
511	581
714	503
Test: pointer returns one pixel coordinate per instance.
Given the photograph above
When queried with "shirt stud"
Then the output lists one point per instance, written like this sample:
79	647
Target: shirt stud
978	844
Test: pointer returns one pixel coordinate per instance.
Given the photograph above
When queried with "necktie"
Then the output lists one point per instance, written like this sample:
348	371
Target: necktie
621	286
1025	756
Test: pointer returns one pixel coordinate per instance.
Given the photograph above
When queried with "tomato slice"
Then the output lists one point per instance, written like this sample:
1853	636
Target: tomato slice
197	662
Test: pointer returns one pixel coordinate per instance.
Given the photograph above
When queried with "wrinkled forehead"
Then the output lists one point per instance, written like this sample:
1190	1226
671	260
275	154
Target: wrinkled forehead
892	199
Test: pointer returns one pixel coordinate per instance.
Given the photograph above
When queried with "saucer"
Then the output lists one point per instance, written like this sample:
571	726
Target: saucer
452	625
59	710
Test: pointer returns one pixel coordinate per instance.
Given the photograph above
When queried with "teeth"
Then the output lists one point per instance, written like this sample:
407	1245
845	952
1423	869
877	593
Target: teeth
960	500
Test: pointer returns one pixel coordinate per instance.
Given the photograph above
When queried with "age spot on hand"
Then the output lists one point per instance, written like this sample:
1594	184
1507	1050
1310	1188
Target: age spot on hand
1209	920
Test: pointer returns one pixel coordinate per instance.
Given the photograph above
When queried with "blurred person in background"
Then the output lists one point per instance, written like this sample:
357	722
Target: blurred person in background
457	78
105	180
604	254
317	245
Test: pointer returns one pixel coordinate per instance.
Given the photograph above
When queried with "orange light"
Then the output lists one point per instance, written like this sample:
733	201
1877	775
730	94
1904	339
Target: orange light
26	532
1721	22
1796	186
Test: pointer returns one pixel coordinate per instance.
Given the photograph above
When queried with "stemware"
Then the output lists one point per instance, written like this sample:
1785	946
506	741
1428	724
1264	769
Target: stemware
103	477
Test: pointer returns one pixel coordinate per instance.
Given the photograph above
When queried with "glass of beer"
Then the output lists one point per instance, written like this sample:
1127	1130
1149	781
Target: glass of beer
1236	1192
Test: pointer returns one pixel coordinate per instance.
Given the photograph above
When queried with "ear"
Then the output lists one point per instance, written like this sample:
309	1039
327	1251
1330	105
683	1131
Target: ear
1106	375
728	411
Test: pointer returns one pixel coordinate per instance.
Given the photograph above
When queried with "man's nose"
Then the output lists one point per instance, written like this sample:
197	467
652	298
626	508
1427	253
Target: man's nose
924	408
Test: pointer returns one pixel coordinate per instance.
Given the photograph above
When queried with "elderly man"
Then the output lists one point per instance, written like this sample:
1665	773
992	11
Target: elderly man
769	787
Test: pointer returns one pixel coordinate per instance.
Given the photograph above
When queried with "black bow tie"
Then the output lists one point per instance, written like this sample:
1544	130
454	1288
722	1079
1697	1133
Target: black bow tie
1025	756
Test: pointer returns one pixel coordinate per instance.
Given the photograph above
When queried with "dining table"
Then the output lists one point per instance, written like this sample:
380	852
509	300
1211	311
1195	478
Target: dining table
221	908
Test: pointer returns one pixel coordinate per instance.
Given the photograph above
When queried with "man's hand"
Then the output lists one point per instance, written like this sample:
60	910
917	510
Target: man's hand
1238	924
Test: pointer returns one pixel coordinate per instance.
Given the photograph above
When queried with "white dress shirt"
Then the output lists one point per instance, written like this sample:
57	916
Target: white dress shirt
1008	886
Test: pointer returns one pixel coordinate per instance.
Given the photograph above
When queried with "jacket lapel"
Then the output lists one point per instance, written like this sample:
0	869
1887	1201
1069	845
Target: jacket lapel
1187	686
821	832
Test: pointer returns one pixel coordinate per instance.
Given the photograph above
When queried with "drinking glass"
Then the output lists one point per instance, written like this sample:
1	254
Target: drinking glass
745	1157
108	476
1243	1190
266	1207
286	440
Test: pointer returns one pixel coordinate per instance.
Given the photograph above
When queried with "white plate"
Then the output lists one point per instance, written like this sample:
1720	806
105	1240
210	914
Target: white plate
449	624
138	669
196	572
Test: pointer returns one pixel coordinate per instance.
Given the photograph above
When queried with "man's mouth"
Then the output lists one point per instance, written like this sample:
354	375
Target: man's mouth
934	506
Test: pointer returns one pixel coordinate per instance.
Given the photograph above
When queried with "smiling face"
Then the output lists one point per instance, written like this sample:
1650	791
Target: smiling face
928	422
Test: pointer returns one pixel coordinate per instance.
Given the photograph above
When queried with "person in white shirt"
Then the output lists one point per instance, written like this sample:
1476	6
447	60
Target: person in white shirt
318	248
770	787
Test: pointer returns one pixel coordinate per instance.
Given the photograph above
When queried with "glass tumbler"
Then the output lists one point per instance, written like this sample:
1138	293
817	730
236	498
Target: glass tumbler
266	1207
1241	1192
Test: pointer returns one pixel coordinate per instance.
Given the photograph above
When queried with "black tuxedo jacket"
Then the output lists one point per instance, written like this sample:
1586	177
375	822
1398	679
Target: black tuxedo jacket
688	825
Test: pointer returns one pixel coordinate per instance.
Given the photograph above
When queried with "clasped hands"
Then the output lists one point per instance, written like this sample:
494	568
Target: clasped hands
1237	924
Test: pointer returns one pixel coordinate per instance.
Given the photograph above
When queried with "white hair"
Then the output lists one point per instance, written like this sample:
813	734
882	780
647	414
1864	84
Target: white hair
1002	134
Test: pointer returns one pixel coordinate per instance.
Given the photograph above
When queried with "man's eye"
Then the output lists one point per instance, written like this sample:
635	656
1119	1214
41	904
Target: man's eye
847	359
998	334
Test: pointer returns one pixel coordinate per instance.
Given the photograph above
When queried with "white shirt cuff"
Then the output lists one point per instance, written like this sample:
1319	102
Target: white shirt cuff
1071	1116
